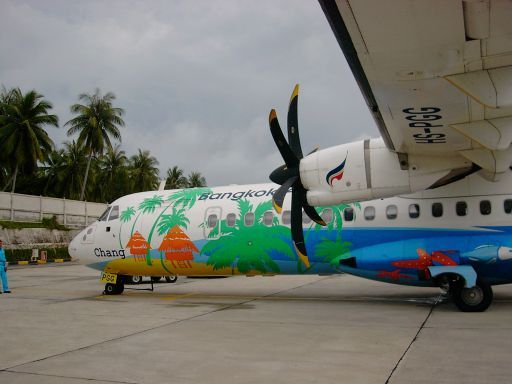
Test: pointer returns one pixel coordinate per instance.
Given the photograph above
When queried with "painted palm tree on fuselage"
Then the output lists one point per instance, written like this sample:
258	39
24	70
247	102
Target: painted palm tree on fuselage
246	247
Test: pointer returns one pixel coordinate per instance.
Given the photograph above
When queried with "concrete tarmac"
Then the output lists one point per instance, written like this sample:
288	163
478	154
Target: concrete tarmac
56	327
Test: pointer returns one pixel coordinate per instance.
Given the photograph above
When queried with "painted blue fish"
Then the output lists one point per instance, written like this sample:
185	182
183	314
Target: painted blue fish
488	254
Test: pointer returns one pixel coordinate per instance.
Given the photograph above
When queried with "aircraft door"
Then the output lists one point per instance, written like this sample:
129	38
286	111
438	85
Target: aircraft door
211	224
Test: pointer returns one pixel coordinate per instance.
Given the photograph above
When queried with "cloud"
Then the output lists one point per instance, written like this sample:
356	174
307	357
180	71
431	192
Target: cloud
197	79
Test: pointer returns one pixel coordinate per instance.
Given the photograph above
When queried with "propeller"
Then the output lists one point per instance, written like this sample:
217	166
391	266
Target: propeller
288	176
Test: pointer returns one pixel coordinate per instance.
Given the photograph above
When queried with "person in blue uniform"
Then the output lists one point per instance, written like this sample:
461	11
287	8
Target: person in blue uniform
3	269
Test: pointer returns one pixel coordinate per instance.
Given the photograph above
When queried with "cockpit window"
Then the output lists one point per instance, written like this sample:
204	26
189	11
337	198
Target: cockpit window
104	215
114	213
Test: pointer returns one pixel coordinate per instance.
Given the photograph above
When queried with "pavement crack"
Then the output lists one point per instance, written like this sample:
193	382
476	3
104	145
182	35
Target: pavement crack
439	299
174	322
68	377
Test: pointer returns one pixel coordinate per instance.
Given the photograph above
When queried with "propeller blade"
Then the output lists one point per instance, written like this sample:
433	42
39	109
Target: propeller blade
279	195
293	124
311	212
286	152
296	224
280	174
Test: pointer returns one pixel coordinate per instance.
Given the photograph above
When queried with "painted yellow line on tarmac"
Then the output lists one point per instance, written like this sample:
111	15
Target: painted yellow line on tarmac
177	297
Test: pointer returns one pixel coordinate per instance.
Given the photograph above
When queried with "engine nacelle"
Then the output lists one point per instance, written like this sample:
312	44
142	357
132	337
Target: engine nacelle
367	170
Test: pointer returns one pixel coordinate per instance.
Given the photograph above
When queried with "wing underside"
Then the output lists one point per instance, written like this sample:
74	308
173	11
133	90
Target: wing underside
436	75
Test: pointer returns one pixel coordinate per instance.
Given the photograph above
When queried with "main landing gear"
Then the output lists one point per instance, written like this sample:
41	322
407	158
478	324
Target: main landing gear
475	299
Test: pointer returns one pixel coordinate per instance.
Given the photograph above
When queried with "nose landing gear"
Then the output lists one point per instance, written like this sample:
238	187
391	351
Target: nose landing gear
114	289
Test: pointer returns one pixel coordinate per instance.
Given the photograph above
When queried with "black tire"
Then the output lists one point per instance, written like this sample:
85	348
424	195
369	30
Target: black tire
476	299
156	279
114	289
171	279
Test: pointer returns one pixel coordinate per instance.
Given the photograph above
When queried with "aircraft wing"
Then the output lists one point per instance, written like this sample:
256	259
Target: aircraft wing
436	75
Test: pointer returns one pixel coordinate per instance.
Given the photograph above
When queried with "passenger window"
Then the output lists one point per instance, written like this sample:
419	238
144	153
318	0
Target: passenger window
327	215
507	206
437	209
249	219
212	221
305	218
104	215
231	220
414	211
485	207
461	208
391	212
268	217
348	214
369	213
286	218
114	213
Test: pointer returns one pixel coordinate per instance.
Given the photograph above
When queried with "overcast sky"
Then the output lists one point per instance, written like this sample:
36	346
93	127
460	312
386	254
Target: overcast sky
197	79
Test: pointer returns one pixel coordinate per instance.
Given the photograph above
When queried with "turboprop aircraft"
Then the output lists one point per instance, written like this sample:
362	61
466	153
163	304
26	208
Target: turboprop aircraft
427	204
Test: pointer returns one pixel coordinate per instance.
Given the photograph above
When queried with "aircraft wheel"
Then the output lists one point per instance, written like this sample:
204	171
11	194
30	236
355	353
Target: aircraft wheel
476	299
156	279
136	279
171	279
114	289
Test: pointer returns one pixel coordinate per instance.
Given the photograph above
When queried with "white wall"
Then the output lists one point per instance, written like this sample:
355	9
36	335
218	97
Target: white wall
72	213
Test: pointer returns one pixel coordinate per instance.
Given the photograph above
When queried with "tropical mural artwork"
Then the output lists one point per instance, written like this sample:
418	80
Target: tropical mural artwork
252	242
248	248
178	248
138	247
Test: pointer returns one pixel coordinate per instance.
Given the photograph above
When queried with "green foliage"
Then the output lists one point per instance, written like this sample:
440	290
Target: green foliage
175	179
23	139
14	255
177	217
186	198
149	204
247	248
196	180
48	223
30	163
96	122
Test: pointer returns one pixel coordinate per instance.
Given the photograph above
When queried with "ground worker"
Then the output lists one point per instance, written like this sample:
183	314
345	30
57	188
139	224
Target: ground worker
3	269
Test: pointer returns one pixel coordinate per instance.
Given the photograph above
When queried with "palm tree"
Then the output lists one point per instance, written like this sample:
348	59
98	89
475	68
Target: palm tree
23	140
196	180
124	217
112	174
143	171
248	248
148	205
177	217
186	198
175	179
96	122
68	170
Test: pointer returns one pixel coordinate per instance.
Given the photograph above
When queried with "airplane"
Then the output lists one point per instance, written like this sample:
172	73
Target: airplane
429	203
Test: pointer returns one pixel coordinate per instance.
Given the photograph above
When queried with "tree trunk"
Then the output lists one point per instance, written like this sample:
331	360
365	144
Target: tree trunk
14	178
86	176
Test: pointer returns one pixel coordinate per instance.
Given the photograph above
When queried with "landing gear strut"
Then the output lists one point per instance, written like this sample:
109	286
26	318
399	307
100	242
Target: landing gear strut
114	289
476	299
